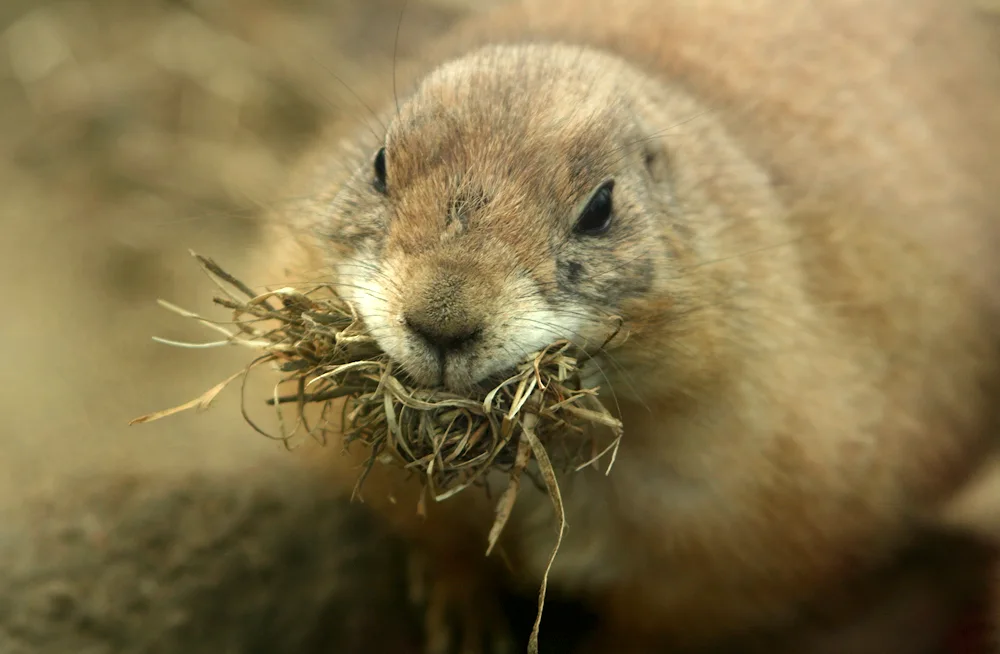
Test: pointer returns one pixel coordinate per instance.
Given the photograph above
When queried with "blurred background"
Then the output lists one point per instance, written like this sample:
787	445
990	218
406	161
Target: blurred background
131	131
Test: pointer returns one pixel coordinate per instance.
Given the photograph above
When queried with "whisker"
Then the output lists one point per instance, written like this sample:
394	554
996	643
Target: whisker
626	148
395	50
613	267
357	97
558	333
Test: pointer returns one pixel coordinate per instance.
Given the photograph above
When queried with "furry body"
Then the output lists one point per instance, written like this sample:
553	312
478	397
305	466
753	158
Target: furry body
803	249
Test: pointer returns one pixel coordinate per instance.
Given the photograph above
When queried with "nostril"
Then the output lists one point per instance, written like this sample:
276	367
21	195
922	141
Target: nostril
443	337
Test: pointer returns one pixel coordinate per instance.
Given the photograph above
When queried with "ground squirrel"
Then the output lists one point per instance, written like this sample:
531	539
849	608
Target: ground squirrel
793	206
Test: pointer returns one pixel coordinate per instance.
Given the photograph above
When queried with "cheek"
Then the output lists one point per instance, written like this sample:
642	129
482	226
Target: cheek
543	325
607	275
371	287
583	268
533	317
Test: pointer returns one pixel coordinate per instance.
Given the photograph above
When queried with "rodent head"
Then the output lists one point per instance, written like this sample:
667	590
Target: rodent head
512	205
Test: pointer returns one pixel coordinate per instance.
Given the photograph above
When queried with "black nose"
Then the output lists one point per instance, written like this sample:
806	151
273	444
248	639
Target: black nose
442	336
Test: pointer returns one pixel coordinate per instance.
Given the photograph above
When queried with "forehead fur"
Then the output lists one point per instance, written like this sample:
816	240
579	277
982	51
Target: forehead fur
524	117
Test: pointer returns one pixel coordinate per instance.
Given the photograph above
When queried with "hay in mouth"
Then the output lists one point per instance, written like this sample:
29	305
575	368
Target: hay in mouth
318	343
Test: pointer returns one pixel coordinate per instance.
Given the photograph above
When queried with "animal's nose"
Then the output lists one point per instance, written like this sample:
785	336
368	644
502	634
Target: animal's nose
441	336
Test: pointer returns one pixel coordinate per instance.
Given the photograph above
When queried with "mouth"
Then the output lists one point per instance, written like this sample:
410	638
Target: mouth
454	374
473	369
492	380
471	390
459	380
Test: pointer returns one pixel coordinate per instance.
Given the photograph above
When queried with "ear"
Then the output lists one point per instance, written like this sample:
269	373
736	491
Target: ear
651	142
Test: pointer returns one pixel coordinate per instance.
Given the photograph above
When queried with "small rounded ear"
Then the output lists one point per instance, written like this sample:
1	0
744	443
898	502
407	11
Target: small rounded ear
655	155
975	507
657	160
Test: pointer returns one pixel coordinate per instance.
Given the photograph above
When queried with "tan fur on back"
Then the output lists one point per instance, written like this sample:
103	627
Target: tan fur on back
808	271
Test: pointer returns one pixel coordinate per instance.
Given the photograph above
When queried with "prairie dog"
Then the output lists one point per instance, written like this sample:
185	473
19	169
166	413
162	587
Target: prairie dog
793	206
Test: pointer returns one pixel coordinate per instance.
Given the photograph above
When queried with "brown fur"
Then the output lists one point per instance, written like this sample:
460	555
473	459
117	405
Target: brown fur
806	222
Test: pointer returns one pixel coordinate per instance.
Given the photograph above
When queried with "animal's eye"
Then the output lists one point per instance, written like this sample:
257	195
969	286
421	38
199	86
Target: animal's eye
379	165
597	215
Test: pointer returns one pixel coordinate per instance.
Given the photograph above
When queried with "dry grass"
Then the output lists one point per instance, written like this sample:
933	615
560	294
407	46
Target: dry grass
315	339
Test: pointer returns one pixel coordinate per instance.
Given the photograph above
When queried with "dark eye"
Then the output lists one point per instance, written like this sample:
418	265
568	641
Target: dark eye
379	165
596	216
